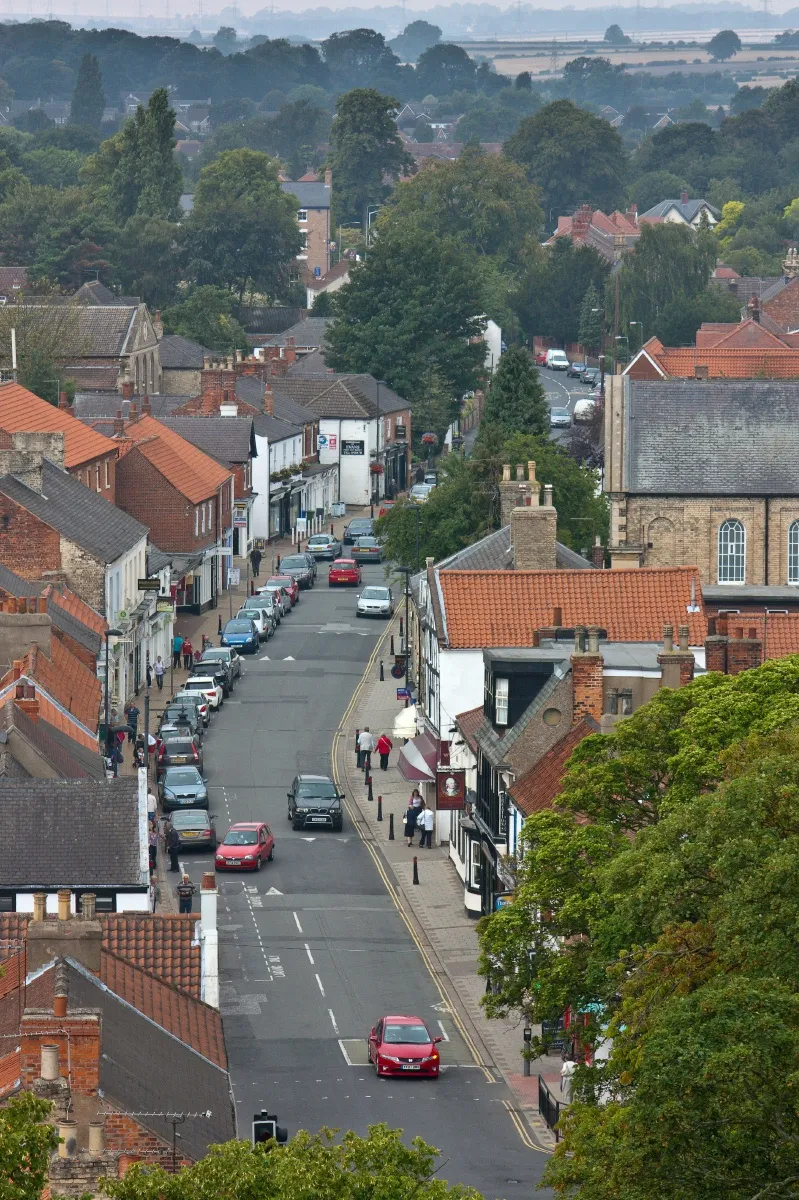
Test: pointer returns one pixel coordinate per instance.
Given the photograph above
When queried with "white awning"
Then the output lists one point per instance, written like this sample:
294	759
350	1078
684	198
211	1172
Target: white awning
405	723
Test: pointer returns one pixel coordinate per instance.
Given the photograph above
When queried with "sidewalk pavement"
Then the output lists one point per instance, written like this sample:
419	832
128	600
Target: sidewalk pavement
436	905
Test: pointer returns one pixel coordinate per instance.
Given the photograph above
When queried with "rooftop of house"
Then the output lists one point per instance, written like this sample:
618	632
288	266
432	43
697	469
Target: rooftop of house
339	271
306	334
506	608
95	293
267	318
12	279
468	723
77	512
226	439
687	208
60	752
339	395
74	617
77	833
191	472
63	677
309	195
96	331
181	353
729	357
740	435
21	411
540	787
97	408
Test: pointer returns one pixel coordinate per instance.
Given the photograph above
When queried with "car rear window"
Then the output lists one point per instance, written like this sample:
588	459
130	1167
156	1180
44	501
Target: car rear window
294	560
179	746
241	837
188	819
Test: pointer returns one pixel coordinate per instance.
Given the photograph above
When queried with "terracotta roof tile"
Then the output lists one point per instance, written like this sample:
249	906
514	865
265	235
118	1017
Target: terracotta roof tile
468	723
10	1073
77	608
728	351
162	944
778	631
505	608
194	474
23	412
66	680
189	1019
539	788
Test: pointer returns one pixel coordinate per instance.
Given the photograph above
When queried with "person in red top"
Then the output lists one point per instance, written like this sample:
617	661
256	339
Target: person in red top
384	748
188	654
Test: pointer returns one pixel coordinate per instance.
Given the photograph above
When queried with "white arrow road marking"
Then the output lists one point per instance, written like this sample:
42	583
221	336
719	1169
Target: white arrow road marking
289	658
307	839
441	1007
273	892
265	658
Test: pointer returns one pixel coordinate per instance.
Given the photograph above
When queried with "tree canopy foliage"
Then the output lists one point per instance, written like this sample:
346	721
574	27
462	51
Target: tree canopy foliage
365	149
515	400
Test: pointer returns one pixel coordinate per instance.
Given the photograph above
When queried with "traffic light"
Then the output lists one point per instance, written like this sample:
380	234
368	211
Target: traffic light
266	1129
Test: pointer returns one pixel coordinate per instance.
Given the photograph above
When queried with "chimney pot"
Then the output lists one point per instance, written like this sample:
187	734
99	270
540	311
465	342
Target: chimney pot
579	639
64	898
145	406
68	1139
682	637
668	637
428	562
506	473
59	1006
593	639
547	495
127	389
96	1137
49	1067
88	906
39	906
62	400
134	411
519	472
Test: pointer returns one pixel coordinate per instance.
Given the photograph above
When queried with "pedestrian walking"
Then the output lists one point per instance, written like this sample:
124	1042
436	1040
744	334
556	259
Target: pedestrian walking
148	671
255	559
427	821
411	816
132	718
158	671
185	891
366	744
173	847
177	647
188	654
384	748
152	838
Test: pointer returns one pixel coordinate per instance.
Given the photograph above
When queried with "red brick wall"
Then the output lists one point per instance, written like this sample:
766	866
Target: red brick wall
743	654
143	492
135	1142
78	1055
9	1073
587	686
215	381
27	545
90	473
643	369
784	308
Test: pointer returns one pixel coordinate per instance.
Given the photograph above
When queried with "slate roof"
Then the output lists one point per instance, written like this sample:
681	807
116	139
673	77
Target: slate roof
687	210
70	833
181	353
227	439
493	553
75	617
743	437
309	195
100	331
541	786
274	428
267	318
15	585
22	411
93	407
95	293
144	1068
63	754
164	944
77	512
312	364
194	474
505	608
309	332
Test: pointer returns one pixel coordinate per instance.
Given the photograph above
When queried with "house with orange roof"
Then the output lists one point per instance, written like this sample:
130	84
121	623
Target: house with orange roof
611	235
744	351
187	499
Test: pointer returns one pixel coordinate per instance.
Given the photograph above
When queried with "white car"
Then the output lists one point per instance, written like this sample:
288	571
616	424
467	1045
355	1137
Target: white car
419	492
260	619
283	598
375	602
207	686
584	410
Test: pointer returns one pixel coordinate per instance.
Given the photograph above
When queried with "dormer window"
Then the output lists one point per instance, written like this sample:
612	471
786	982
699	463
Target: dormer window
500	701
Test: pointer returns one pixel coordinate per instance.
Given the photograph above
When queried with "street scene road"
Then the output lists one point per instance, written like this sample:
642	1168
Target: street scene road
312	949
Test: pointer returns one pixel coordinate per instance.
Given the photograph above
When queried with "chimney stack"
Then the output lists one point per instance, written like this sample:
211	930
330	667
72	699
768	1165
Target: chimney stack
676	665
269	400
119	424
39	906
754	308
127	389
684	197
701	371
587	666
63	402
146	409
158	325
64	899
533	529
598	553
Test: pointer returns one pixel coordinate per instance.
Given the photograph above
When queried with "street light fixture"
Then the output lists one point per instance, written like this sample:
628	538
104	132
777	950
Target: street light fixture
108	633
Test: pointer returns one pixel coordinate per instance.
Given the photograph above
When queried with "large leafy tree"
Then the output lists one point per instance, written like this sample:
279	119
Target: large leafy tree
444	68
242	232
309	1167
414	39
365	150
725	44
205	315
413	306
296	133
359	58
591	327
677	324
26	1143
573	156
515	399
88	99
670	264
548	297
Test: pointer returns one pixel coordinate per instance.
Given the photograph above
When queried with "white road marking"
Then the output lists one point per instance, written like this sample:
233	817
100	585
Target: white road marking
273	892
307	839
265	658
297	921
347	1059
289	658
333	1021
310	956
319	981
444	1033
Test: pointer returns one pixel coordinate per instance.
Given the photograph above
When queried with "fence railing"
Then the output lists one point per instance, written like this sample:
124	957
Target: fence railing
548	1107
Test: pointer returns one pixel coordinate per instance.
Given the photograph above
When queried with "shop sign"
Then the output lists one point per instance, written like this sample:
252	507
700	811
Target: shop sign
353	447
450	788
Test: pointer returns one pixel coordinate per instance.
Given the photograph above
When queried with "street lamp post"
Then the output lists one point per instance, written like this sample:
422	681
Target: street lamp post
106	698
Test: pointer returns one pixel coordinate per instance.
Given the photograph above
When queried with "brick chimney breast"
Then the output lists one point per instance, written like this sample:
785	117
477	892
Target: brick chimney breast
587	667
533	534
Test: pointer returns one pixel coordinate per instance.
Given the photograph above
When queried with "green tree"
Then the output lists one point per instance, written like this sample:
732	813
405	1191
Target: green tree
615	36
414	40
242	231
359	58
225	39
677	324
88	99
653	186
365	150
205	315
412	306
26	1143
549	294
549	144
669	264
297	133
444	68
310	1165
46	335
147	259
592	324
724	45
516	400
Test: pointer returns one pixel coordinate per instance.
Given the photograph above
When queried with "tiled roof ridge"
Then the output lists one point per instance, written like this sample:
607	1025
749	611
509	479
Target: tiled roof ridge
548	771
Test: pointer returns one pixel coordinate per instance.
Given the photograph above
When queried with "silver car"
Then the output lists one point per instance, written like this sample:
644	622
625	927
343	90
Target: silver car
323	545
559	417
375	601
277	592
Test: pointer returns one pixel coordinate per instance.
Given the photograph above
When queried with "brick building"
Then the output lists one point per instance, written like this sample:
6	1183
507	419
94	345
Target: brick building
313	220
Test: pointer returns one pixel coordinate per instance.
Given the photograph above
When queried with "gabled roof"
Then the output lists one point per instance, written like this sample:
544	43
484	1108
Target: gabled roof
180	353
97	409
164	944
687	209
275	429
337	397
65	679
541	786
74	617
267	318
62	754
505	608
767	358
15	585
74	833
77	512
307	333
309	195
101	331
194	474
22	411
96	293
468	723
339	271
12	279
226	439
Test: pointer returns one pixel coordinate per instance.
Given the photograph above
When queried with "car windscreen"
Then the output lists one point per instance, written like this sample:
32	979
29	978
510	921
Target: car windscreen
365	523
323	789
182	777
199	685
238	627
294	561
408	1035
216	654
375	593
241	837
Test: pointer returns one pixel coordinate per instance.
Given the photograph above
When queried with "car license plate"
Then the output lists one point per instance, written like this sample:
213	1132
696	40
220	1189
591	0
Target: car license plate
185	800
180	758
234	862
319	820
410	1067
189	833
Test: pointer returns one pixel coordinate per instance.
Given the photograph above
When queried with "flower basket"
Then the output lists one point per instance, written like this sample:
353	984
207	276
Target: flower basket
376	468
429	439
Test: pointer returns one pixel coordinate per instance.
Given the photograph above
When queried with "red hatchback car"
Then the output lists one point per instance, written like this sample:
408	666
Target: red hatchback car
245	846
403	1045
288	585
541	359
344	570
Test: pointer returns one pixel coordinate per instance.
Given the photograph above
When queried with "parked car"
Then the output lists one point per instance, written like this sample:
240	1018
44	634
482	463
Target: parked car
246	845
242	634
358	527
219	672
403	1044
315	800
266	601
176	750
557	360
559	417
182	787
541	358
195	829
375	602
280	595
385	507
298	567
367	549
431	479
323	545
193	700
227	655
181	714
311	561
419	492
260	619
288	583
344	571
591	376
584	410
575	369
208	687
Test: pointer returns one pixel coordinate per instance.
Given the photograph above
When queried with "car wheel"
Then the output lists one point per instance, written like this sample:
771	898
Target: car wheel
338	828
271	854
296	827
258	863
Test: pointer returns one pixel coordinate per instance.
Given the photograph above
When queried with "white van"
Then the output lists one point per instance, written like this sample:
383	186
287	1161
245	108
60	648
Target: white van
557	360
584	410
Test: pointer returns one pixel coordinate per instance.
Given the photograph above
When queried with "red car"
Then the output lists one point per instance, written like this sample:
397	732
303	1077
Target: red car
344	570
541	359
288	585
403	1046
245	846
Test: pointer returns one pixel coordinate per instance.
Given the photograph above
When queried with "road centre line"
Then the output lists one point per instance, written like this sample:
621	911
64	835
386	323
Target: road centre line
321	989
335	1026
310	956
297	921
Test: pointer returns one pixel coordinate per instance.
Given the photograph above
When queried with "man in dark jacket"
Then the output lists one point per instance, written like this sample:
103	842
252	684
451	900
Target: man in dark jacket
255	559
173	847
185	891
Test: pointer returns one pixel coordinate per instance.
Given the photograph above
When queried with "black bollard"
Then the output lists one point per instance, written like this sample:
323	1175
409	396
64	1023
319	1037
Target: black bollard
369	795
391	827
219	624
402	627
392	645
415	870
252	587
382	672
278	563
331	529
380	808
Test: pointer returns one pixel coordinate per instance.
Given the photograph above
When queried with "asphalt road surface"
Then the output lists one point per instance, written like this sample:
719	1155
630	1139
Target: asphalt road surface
312	949
561	393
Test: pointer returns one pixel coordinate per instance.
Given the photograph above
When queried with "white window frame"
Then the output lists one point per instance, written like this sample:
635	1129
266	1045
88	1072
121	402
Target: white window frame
501	698
302	214
731	551
793	552
202	518
107	476
475	863
196	522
